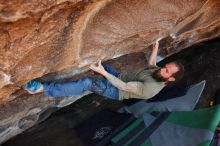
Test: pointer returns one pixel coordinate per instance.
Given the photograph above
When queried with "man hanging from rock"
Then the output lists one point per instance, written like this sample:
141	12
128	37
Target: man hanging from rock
142	84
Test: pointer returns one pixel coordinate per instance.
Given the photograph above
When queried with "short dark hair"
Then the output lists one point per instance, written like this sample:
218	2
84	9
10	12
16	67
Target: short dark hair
181	71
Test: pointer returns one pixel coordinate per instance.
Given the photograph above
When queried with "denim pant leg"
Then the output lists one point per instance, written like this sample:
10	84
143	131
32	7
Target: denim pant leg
111	91
77	87
111	70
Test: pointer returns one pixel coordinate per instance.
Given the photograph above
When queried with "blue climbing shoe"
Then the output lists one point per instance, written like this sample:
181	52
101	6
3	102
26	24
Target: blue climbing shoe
33	86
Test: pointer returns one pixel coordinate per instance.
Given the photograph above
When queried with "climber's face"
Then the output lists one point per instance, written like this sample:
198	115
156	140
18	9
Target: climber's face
166	73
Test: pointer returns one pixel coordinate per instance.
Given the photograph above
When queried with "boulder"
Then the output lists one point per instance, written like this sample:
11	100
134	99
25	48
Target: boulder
63	37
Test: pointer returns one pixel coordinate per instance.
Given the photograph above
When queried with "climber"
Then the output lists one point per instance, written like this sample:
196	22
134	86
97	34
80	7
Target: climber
142	84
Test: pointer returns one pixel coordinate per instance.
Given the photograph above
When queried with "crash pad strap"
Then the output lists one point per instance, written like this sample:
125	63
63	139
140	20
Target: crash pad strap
131	133
144	135
149	130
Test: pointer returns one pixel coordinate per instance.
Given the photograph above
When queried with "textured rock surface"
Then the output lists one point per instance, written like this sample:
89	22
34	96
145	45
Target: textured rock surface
58	130
24	111
39	37
63	37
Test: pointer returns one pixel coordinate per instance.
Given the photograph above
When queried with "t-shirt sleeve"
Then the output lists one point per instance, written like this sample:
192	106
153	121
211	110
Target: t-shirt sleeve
130	75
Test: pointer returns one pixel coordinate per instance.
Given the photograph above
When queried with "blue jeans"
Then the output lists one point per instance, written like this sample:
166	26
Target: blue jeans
99	86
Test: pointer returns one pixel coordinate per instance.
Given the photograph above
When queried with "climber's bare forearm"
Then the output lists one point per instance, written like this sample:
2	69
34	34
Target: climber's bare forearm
152	59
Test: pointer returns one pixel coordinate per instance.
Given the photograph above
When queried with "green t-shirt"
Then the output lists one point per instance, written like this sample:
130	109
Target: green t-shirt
150	87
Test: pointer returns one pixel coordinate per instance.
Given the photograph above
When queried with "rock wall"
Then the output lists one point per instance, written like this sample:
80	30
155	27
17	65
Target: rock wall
62	36
39	37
